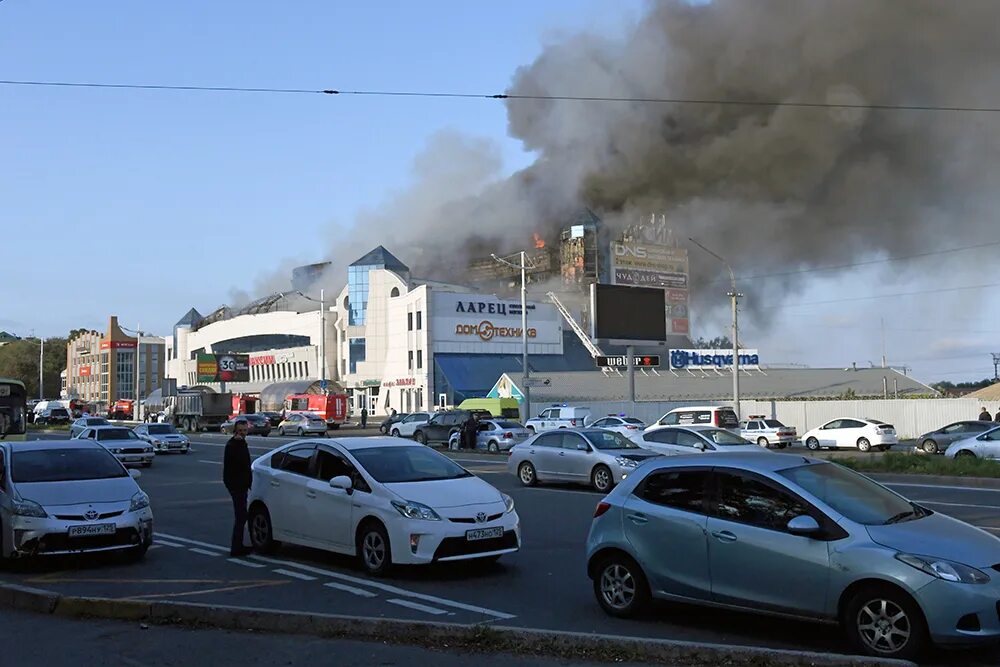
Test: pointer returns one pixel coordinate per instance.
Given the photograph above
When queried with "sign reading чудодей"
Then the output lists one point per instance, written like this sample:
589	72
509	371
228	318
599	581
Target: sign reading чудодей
681	359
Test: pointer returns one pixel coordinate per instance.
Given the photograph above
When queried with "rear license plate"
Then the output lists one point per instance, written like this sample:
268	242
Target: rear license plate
90	530
484	534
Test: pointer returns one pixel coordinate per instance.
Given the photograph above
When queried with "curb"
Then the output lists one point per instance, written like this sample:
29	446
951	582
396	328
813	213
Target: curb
937	480
475	638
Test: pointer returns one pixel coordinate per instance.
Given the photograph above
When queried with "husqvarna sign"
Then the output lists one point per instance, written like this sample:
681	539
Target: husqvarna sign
681	359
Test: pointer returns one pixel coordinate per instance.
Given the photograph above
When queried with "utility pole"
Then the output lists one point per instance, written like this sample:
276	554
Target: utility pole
138	387
735	296
996	366
322	339
523	266
882	326
41	367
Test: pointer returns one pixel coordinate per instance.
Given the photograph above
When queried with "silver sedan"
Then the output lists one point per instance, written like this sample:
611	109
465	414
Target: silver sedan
302	423
494	435
596	457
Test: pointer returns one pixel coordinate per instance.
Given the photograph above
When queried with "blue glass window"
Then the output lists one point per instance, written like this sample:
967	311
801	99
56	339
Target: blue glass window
357	294
357	353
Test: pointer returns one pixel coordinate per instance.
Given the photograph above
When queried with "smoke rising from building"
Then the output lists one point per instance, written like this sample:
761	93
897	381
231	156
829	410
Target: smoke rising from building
769	187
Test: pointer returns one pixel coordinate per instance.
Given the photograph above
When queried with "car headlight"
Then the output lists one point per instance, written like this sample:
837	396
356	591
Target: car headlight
157	442
626	463
149	450
140	501
29	508
945	569
116	450
508	501
412	510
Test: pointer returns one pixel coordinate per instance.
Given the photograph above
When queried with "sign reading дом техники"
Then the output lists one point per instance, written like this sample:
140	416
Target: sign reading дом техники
711	358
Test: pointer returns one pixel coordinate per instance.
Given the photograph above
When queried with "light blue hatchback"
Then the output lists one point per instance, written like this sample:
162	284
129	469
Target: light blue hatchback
793	535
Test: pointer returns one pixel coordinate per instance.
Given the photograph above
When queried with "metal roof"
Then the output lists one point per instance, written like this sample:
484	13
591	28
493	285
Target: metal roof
990	393
191	319
384	259
786	383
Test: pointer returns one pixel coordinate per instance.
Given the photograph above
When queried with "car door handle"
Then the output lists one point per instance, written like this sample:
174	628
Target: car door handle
724	536
274	483
310	494
531	451
637	519
562	453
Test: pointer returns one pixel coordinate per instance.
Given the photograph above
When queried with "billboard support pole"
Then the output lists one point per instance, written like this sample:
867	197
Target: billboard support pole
525	389
630	365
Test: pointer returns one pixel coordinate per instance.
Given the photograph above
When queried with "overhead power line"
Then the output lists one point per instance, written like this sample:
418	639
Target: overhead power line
510	96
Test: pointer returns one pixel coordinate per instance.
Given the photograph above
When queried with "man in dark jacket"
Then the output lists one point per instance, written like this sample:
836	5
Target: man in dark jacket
469	429
984	416
364	417
237	478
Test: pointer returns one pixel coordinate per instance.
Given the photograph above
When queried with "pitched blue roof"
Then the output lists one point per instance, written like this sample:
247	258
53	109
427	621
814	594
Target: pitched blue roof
190	319
382	258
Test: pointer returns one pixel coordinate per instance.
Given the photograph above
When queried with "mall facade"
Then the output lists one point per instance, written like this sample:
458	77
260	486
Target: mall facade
391	341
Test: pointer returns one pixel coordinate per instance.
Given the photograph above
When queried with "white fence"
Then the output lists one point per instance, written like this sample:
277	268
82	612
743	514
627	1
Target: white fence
911	417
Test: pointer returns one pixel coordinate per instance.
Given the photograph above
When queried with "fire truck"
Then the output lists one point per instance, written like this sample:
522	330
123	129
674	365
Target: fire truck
331	408
120	409
244	404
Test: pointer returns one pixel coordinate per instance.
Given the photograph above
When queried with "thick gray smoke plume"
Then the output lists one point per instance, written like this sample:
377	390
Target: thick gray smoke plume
768	186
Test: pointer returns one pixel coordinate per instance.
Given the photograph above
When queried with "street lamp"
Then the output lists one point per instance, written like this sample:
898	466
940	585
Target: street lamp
734	295
523	267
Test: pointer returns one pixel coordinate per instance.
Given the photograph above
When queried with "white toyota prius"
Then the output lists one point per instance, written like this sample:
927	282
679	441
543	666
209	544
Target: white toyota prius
387	501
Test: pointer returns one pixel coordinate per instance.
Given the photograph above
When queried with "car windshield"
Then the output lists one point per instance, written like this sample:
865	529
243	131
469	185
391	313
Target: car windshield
722	437
773	423
313	418
63	465
508	425
98	421
257	419
633	420
116	434
852	495
161	429
390	465
609	440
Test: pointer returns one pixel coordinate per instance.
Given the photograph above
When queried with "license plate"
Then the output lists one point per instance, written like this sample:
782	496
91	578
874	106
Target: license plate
484	534
132	459
93	529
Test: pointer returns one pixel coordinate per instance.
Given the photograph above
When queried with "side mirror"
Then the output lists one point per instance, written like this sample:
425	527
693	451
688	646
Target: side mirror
342	482
701	446
803	525
134	474
583	447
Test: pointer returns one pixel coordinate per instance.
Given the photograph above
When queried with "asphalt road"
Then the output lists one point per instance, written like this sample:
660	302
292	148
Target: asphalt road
543	586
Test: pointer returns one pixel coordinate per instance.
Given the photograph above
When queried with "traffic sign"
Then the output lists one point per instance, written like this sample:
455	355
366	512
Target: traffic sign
621	361
538	382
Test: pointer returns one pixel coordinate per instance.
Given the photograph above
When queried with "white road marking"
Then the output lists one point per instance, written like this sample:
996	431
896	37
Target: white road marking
169	544
351	589
204	551
218	463
419	607
294	575
196	542
939	486
245	563
932	502
385	587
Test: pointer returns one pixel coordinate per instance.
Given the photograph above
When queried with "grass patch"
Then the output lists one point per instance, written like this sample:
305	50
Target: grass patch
916	464
48	427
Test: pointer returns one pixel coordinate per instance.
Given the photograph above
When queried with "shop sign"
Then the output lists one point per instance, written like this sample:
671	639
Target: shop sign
118	344
400	382
487	331
85	371
367	383
711	358
265	360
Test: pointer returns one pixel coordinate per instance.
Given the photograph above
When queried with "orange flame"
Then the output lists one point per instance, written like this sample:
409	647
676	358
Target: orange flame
539	241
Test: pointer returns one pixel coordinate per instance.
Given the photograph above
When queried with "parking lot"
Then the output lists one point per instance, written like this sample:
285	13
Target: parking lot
543	586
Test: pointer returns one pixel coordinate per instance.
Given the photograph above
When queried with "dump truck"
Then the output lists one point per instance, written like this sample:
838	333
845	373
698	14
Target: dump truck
198	410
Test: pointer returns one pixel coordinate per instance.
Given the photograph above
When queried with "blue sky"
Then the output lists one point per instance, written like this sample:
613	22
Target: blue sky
143	204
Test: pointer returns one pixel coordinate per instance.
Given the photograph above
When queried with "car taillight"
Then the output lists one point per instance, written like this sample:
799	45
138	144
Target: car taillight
631	427
508	435
602	507
717	419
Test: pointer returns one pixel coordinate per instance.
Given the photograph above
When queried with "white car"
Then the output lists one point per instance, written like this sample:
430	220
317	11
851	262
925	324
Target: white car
387	501
559	416
122	442
408	426
630	427
163	438
986	445
862	434
694	439
69	496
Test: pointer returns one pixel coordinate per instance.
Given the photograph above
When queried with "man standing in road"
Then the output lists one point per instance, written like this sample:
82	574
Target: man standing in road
984	416
364	417
237	477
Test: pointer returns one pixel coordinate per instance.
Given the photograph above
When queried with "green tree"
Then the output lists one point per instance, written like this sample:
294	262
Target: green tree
720	343
19	360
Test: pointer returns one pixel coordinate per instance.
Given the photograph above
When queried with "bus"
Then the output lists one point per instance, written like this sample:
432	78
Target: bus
13	402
